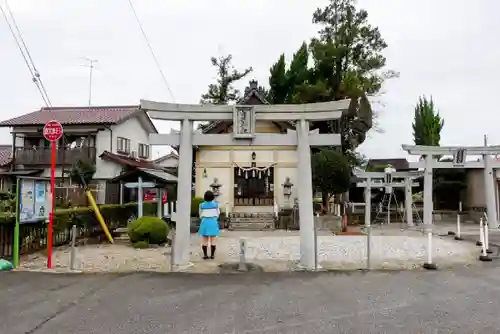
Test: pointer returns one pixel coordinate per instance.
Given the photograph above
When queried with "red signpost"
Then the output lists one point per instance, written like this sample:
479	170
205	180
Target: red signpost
52	131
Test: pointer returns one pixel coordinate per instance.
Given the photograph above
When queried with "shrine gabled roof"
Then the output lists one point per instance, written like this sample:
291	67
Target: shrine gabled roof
252	91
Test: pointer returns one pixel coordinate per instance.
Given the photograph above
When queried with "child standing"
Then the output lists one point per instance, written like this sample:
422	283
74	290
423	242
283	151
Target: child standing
209	227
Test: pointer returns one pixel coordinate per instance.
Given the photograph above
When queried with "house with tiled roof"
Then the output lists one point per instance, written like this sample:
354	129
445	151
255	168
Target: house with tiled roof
111	137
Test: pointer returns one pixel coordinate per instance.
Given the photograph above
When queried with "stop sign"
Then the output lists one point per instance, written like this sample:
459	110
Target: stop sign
52	131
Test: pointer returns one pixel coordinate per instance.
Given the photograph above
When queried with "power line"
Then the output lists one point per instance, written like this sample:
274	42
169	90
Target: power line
35	76
151	50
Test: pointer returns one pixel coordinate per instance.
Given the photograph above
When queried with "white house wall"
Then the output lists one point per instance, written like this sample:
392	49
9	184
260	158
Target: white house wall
170	162
131	129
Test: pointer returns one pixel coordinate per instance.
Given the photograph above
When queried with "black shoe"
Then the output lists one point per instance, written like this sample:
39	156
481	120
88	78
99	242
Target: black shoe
205	252
212	251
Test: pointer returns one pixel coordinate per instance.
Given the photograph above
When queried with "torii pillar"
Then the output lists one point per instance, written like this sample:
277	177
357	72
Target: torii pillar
244	118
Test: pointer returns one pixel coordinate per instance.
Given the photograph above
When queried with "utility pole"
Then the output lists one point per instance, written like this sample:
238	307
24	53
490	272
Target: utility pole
90	65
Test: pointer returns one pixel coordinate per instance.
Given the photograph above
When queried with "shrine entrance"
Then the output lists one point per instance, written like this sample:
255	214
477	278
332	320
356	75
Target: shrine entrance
244	118
254	186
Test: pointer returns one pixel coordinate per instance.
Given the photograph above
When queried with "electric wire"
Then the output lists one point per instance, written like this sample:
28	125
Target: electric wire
165	81
37	74
34	77
29	63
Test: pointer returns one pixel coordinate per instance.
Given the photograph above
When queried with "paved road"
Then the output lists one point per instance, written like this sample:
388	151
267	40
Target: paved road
463	301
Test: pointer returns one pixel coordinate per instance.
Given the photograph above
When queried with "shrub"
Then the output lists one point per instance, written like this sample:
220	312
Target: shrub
195	206
147	228
141	244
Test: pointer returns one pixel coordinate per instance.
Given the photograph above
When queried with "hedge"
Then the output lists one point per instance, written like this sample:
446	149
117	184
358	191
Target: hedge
114	215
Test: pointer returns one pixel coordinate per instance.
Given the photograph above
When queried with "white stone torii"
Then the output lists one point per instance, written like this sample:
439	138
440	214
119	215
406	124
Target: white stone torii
244	118
378	180
430	163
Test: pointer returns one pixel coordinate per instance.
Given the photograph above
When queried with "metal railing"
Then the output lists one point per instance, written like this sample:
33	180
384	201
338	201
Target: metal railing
43	155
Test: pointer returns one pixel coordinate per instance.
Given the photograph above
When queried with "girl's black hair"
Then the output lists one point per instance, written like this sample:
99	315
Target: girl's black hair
209	196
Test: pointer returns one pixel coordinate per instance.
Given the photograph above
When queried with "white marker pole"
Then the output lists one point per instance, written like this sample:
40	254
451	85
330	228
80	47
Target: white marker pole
429	265
484	255
429	247
458	235
487	237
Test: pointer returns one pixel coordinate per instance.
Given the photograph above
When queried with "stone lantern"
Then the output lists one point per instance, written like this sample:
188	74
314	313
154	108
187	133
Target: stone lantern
287	190
216	187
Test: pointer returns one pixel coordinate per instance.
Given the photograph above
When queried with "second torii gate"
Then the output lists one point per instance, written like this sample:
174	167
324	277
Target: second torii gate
459	161
244	117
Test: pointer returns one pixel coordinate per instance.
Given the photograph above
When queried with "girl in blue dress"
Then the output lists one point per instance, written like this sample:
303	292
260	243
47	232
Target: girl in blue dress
209	227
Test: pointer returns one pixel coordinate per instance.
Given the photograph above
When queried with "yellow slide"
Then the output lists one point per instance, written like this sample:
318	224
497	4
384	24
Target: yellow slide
99	216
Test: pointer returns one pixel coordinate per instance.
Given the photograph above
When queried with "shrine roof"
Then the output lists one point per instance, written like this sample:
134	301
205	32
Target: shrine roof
400	164
253	95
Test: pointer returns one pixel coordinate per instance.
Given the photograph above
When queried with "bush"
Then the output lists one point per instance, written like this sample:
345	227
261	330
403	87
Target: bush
141	244
195	206
114	215
154	230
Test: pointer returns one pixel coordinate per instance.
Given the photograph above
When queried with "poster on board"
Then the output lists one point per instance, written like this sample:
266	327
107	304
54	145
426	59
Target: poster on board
34	200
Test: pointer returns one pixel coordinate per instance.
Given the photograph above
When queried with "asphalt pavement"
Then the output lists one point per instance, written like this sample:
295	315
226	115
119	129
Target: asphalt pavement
466	300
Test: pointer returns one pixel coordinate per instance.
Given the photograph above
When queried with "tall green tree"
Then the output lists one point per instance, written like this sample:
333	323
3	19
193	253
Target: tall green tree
331	172
345	61
223	91
427	123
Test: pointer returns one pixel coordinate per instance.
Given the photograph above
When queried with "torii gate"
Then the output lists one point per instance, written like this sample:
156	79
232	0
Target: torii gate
459	161
244	118
386	179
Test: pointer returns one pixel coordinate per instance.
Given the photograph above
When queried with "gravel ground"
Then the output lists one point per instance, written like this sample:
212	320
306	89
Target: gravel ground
273	253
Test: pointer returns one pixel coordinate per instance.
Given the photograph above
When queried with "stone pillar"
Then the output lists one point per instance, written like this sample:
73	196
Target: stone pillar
140	198
121	192
159	194
408	201
183	216
305	195
428	203
368	203
489	188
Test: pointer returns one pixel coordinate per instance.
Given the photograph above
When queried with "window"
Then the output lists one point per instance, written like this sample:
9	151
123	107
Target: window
143	151
123	145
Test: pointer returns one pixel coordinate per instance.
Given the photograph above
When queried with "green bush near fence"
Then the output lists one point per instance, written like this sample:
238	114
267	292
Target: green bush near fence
114	215
195	206
151	229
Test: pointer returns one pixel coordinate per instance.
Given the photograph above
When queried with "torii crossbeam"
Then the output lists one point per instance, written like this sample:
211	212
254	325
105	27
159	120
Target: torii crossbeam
459	161
244	117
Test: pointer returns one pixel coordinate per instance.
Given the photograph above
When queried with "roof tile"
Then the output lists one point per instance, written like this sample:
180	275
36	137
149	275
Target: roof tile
74	115
5	155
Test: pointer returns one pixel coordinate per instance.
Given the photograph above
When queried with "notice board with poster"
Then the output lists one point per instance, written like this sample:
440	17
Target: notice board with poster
34	200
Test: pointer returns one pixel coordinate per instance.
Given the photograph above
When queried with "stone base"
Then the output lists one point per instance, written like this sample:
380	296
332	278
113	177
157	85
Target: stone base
489	251
479	243
429	266
485	258
451	233
458	238
182	267
301	267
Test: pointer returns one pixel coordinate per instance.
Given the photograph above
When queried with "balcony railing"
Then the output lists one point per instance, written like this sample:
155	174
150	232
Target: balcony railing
42	155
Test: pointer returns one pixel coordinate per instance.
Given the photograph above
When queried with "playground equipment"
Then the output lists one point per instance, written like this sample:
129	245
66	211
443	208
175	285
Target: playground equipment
98	215
387	180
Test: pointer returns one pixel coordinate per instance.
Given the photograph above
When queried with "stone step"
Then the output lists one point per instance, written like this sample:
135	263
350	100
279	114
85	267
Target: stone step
252	215
252	220
251	226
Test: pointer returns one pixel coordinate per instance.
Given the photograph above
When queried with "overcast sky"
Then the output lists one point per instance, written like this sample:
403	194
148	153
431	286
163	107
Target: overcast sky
445	48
